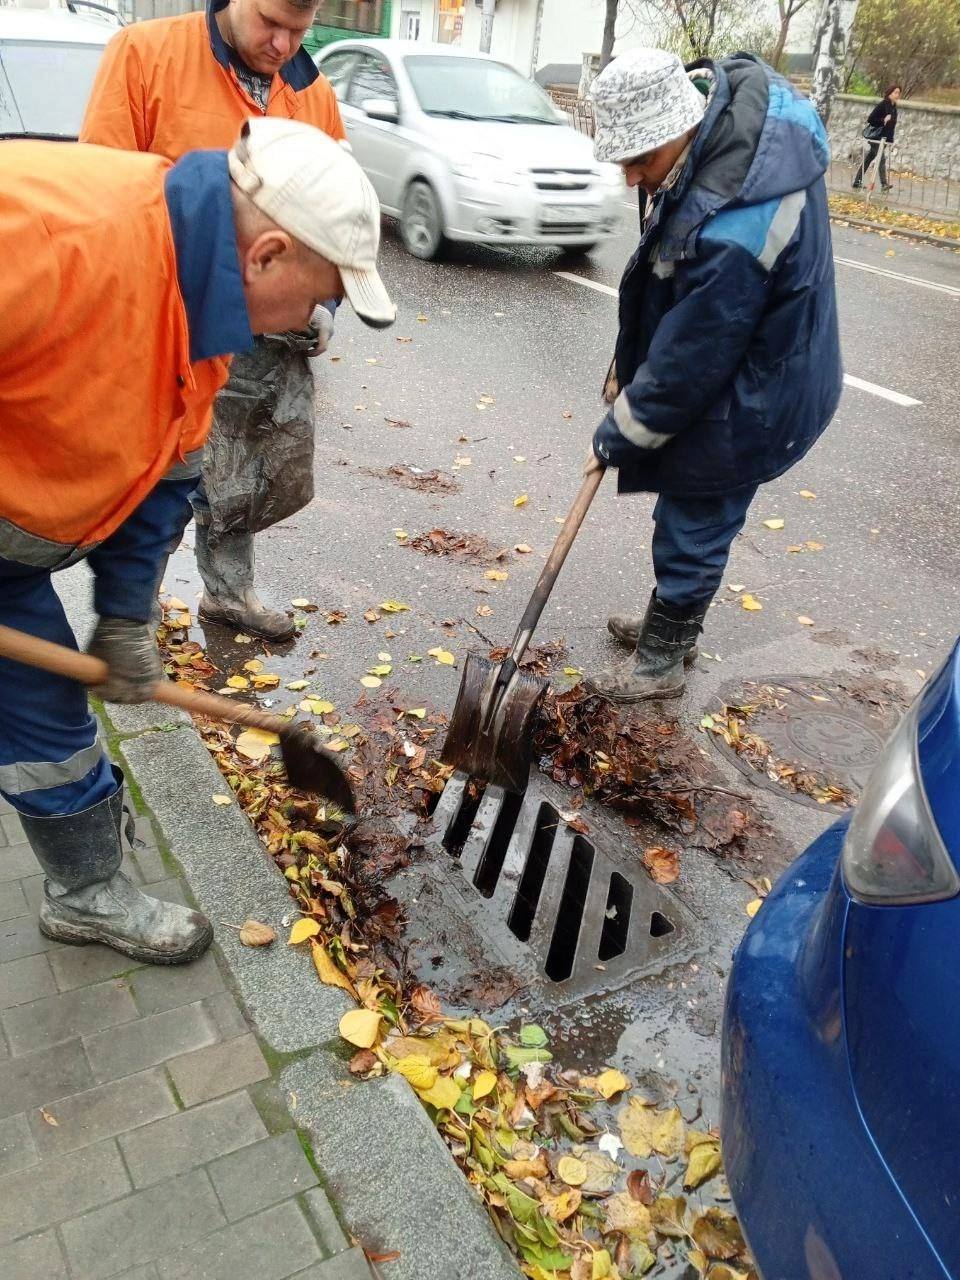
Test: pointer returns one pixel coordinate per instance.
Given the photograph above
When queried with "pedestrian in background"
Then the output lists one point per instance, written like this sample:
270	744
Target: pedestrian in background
171	85
727	364
878	133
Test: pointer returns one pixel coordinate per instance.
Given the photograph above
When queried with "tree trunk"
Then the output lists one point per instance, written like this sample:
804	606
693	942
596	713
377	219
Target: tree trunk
831	32
486	25
779	47
609	32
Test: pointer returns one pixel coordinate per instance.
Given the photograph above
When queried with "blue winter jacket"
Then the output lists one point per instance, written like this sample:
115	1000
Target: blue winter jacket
728	357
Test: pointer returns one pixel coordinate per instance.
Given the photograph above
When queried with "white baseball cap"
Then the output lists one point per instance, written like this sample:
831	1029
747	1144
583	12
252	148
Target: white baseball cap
313	188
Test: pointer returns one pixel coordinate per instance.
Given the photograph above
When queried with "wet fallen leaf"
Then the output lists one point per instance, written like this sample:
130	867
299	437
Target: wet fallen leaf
775	523
416	713
317	706
296	685
646	1130
371	682
242	639
443	656
254	665
813	546
718	1234
302	930
638	1186
497	575
610	1083
750	603
805	621
418	1070
563	1206
753	907
48	1118
444	1095
221	799
807	493
703	1163
520	500
371	615
566	414
794	549
668	1214
336	616
736	587
611	1145
484	611
623	1213
663	864
393	606
572	1171
383	669
255	744
266	680
602	1172
484	1085
426	1004
327	971
301	602
363	1062
255	934
523	549
238	682
361	1027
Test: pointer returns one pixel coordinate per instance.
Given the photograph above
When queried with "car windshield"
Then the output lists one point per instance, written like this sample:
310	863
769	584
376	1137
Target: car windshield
31	68
474	89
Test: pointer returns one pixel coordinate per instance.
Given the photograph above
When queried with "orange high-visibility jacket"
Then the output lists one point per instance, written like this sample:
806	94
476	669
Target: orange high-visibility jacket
98	397
160	87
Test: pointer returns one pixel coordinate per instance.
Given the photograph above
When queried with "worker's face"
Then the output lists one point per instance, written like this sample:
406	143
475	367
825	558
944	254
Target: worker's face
267	33
283	283
650	169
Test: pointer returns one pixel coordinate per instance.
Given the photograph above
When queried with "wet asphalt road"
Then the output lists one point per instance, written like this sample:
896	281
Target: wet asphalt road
497	359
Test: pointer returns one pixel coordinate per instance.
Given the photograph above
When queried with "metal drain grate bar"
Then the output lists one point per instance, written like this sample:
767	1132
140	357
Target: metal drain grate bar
548	908
481	832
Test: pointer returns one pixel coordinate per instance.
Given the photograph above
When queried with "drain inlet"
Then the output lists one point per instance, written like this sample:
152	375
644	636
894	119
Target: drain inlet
616	923
534	873
566	931
660	926
459	830
491	864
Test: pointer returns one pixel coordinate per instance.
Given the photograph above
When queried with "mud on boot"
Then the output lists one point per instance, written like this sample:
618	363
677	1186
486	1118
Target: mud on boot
227	567
666	640
626	628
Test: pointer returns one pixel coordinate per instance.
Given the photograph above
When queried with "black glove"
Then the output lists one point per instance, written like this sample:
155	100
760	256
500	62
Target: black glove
130	651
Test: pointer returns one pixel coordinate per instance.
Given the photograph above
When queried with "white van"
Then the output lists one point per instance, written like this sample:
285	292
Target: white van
48	58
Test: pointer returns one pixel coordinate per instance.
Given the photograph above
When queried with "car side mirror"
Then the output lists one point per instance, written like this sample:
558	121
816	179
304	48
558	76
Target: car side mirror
381	109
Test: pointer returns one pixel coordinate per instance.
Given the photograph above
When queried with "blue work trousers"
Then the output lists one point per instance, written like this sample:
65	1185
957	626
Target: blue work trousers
691	544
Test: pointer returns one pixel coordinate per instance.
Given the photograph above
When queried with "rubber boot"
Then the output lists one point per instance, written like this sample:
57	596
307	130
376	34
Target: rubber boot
226	568
626	627
656	670
87	898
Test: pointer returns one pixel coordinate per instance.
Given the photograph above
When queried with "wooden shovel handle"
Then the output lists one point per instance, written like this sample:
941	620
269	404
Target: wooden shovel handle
60	661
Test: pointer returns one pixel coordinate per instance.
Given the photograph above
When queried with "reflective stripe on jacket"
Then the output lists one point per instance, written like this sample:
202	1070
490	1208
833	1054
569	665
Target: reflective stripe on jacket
98	397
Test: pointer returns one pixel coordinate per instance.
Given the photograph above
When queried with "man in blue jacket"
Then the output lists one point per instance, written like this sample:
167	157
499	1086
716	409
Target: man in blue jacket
727	365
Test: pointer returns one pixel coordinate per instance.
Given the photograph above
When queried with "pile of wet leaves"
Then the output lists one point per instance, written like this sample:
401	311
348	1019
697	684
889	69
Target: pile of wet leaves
409	477
585	1177
648	769
468	547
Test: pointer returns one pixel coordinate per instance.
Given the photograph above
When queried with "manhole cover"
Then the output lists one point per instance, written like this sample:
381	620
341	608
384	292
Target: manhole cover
814	740
542	908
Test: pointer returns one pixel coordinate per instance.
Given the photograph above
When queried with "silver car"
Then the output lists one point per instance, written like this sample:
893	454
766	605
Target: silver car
462	147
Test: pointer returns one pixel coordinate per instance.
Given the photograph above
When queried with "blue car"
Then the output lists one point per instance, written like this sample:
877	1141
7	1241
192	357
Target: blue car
841	1040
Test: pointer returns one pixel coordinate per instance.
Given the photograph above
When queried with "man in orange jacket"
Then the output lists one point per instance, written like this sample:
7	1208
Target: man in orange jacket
127	283
169	86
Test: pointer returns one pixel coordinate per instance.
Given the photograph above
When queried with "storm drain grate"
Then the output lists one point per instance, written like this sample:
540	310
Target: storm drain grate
580	913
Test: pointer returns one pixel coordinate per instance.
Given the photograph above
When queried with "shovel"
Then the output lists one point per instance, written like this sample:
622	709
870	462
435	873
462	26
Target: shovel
491	729
308	766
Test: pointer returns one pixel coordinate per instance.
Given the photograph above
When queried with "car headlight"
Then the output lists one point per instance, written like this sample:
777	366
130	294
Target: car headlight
485	169
893	853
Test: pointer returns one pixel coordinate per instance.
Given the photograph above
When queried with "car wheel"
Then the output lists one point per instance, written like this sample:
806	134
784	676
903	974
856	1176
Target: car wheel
421	222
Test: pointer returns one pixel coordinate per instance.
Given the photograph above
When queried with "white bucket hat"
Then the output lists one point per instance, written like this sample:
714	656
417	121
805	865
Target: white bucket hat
641	100
313	188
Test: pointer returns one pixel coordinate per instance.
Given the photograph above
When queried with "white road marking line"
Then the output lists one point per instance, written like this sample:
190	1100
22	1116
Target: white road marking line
895	397
948	289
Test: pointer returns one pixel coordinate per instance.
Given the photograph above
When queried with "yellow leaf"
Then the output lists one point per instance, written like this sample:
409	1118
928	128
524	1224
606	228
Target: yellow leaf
572	1171
813	546
562	1206
242	639
610	1083
625	1214
268	680
255	744
776	523
302	930
484	1084
254	665
754	906
520	500
419	1070
337	744
807	493
443	656
221	799
384	657
361	1027
750	603
523	549
238	682
301	602
805	621
296	685
371	682
383	669
401	534
48	1118
317	706
417	713
444	1095
394	606
497	575
704	1162
601	1266
646	1130
174	602
327	971
255	934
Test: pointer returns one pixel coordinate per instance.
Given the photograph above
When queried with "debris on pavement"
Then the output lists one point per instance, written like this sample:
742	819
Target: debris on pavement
409	477
468	547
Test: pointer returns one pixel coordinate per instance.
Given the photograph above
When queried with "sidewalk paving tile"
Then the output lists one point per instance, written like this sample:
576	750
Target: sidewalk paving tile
270	1246
24	980
143	1227
227	1015
261	1175
158	987
33	1258
326	1223
53	1019
84	966
139	1045
222	1068
191	1138
21	937
17	1147
36	1079
18	860
103	1112
12	901
350	1265
59	1188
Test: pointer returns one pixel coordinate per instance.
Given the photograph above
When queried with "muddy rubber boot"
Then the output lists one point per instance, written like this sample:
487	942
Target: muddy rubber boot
626	628
87	898
656	670
226	568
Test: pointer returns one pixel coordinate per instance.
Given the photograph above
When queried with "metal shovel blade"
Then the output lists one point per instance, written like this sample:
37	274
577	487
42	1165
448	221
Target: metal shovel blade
491	735
311	768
